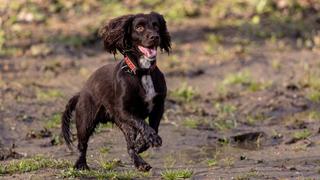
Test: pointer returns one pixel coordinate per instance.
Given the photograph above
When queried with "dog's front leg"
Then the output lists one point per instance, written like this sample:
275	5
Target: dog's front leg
130	134
148	134
154	121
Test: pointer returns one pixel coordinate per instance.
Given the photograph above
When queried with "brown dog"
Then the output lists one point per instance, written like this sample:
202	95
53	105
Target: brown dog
125	93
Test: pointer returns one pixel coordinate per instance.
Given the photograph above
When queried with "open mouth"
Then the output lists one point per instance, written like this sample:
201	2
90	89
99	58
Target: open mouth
149	53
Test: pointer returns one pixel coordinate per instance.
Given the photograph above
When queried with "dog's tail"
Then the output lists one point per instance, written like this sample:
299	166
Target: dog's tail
65	120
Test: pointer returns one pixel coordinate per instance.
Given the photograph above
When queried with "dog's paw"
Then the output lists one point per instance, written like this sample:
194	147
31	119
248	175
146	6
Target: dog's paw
141	148
154	140
144	167
81	166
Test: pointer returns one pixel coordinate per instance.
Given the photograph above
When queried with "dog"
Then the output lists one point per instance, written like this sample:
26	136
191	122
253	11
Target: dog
124	93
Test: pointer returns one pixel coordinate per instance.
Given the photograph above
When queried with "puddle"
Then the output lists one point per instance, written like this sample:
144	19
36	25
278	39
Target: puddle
250	140
198	154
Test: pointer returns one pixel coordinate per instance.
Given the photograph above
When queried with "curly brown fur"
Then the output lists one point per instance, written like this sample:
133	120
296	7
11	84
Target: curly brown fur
114	94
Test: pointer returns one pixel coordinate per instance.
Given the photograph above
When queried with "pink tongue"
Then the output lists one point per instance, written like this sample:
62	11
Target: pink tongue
148	52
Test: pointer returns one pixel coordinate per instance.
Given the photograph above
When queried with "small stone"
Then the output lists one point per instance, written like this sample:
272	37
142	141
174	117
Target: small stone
260	161
243	157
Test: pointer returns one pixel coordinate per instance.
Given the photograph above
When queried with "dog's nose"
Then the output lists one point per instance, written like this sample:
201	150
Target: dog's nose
154	37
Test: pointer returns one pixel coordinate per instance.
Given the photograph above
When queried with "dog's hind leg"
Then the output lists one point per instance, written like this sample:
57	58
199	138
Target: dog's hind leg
154	122
86	122
130	134
103	116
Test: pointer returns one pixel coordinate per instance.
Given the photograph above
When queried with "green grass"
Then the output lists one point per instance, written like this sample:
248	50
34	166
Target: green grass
245	79
99	174
224	125
212	162
213	44
314	115
56	140
261	18
191	123
40	49
253	119
301	134
249	175
226	117
237	78
314	96
104	150
184	93
42	162
169	161
101	127
32	164
310	79
275	64
110	165
222	90
257	86
228	161
69	40
176	174
54	121
48	95
2	39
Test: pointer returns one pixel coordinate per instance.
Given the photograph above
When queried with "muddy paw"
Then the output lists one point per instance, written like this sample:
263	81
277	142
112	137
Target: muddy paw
143	167
154	140
141	148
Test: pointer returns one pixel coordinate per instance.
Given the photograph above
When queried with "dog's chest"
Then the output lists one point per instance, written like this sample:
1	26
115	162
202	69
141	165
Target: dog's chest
147	85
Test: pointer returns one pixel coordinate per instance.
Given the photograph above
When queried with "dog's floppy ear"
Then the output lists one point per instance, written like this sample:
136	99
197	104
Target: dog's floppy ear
165	39
116	34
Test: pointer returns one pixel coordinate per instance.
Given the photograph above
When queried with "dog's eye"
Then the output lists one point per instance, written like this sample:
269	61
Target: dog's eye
155	26
139	28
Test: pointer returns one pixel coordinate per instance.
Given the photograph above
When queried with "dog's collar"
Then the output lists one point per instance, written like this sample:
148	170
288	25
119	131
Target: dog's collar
133	69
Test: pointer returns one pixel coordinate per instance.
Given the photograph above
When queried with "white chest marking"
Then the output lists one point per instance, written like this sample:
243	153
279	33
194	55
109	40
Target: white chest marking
147	84
150	92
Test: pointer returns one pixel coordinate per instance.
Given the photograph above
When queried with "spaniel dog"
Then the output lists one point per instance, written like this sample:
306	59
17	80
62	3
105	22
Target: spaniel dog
125	93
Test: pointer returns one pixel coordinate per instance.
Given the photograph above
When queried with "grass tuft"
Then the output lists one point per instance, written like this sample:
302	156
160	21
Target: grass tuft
226	117
54	121
245	79
212	162
32	164
110	165
101	127
176	174
98	174
105	150
301	134
48	95
314	96
238	78
191	123
249	175
185	93
314	115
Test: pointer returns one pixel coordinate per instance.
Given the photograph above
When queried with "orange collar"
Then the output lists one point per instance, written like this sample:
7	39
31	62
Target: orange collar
133	67
130	64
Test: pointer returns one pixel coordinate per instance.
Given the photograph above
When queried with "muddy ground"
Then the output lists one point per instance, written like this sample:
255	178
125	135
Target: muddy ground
238	107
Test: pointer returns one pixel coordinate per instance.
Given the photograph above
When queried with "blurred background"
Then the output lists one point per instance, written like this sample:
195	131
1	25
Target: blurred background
243	80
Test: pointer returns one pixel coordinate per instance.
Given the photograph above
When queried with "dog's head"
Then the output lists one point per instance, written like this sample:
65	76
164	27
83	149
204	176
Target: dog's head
140	32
